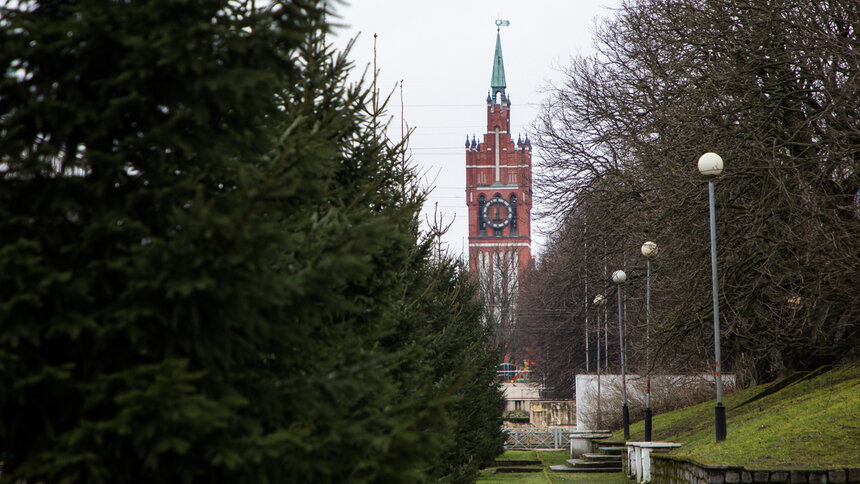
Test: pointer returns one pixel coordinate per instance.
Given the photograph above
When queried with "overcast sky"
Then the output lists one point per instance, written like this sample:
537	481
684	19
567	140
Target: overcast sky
443	52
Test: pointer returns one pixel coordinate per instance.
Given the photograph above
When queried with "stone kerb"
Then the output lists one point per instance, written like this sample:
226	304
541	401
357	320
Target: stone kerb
668	469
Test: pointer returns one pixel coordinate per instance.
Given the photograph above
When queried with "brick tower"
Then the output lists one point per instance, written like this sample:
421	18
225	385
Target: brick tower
499	197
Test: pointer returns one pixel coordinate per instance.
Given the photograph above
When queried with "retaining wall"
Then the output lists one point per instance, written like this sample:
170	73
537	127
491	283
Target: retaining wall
667	469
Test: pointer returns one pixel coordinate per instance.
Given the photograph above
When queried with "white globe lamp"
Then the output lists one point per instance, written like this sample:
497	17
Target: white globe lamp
710	164
649	249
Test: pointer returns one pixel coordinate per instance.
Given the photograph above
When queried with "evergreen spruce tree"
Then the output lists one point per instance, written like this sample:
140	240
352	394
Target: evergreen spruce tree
463	367
138	282
209	259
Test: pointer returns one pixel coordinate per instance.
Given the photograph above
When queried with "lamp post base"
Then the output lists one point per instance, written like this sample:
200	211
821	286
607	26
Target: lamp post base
720	421
647	425
625	417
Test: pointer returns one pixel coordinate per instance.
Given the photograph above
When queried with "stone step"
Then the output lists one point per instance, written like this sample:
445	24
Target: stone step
515	463
564	468
612	443
601	457
517	469
612	450
590	463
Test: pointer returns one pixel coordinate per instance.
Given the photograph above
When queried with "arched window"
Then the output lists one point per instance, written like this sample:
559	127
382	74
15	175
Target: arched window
482	224
513	214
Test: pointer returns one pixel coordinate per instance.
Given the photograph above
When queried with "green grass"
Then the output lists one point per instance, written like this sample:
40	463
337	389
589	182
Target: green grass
518	455
554	458
611	478
525	478
810	424
546	476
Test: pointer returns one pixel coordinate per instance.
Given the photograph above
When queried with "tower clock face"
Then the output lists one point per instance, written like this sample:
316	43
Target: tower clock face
497	213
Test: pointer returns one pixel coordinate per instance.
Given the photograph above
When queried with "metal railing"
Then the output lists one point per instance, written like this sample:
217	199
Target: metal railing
524	439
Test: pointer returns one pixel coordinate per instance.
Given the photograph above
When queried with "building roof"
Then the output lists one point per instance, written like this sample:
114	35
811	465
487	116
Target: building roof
497	82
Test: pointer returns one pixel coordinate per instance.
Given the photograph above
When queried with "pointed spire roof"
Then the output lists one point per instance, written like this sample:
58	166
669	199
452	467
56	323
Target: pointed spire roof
497	83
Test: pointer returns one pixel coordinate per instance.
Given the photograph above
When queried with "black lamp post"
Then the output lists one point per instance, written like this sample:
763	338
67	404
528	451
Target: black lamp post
649	250
619	277
599	301
711	164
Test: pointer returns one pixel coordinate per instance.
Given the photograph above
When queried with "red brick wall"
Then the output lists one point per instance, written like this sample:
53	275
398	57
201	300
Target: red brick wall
515	168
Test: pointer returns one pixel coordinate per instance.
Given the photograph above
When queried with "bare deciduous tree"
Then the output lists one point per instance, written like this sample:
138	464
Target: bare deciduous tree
770	85
497	274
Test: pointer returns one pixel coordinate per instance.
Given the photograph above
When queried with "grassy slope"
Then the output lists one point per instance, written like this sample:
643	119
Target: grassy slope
811	424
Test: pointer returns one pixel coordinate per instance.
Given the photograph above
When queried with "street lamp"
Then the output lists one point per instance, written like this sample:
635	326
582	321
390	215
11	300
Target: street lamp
599	301
619	277
649	250
711	164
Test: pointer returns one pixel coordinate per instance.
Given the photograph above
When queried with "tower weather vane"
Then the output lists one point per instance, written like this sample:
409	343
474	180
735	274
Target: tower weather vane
502	23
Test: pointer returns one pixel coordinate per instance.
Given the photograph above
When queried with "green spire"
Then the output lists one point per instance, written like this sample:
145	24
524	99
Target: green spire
497	83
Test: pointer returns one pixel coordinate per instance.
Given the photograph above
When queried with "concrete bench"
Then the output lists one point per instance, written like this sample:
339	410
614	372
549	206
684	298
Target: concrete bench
639	458
582	441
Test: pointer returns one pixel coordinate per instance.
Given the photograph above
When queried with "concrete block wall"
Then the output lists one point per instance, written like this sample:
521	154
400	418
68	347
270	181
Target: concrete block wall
667	469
